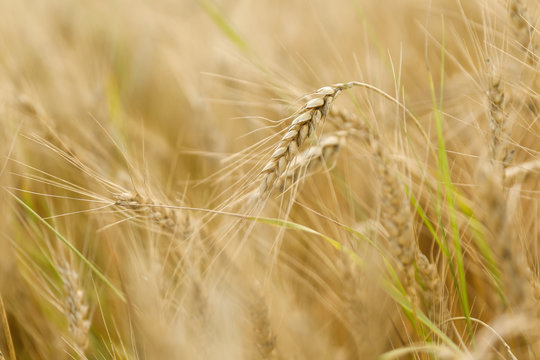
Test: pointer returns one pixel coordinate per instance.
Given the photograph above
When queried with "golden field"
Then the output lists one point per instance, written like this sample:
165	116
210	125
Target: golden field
300	179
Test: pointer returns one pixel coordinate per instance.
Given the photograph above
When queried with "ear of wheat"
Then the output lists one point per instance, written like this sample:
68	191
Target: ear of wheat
512	259
498	121
311	159
523	29
303	125
437	306
396	218
263	335
76	309
164	216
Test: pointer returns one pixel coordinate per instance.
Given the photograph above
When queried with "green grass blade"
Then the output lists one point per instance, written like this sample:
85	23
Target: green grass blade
402	300
223	23
445	178
71	247
294	226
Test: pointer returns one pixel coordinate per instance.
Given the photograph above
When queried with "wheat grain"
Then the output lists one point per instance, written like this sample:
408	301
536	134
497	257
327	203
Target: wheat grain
497	218
184	270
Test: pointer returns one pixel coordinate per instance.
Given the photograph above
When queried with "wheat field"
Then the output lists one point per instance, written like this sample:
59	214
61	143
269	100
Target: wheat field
285	179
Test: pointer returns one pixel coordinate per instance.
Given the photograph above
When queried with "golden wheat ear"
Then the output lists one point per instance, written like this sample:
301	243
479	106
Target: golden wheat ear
499	124
519	287
263	335
166	217
436	303
396	217
304	124
524	29
311	159
76	309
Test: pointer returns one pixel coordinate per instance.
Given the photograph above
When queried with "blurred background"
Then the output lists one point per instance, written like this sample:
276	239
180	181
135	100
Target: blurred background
107	97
